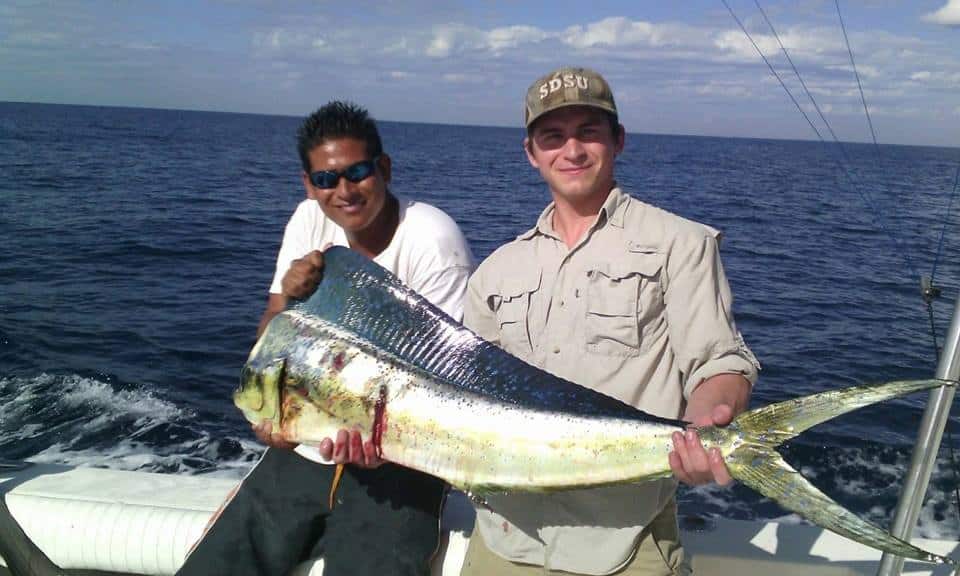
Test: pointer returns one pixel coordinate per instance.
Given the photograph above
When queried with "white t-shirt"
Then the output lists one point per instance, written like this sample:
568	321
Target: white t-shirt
428	253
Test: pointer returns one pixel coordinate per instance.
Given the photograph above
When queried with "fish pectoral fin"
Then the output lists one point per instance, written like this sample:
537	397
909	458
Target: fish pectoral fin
765	470
337	476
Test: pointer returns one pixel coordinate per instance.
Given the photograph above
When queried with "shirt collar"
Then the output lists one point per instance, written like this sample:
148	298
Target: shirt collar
612	211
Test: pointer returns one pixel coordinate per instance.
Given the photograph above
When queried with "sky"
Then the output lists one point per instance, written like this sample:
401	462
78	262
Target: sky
679	67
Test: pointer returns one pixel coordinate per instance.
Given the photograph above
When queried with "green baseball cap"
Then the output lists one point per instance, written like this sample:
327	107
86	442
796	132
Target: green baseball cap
567	86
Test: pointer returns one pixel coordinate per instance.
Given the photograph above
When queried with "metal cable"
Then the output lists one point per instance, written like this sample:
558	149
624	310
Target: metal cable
855	73
866	109
867	198
773	70
876	213
797	72
943	230
929	302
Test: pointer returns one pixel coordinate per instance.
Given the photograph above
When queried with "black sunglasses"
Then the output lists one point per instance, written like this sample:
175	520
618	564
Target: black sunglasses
354	173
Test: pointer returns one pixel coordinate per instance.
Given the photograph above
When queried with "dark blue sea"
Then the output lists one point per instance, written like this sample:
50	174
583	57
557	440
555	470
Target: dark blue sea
137	247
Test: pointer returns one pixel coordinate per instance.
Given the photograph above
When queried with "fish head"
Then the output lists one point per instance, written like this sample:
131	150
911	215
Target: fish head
258	396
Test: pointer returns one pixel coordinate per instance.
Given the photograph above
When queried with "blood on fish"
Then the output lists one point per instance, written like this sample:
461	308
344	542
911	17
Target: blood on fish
379	416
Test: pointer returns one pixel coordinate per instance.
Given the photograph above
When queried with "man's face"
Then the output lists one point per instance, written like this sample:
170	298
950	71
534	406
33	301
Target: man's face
354	206
574	148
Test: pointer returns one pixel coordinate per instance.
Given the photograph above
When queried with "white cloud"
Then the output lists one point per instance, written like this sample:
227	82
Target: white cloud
453	38
943	79
278	38
400	74
738	45
726	89
444	39
458	78
614	31
512	36
35	38
401	46
864	70
449	39
948	15
803	44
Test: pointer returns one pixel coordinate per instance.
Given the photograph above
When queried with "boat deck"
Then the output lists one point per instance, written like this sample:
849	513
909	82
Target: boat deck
97	522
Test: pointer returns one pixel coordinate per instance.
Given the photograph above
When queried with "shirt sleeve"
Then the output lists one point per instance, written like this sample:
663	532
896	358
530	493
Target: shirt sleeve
439	261
445	289
294	245
699	303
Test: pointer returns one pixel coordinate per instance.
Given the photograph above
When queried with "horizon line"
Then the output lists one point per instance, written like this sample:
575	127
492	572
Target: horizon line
468	125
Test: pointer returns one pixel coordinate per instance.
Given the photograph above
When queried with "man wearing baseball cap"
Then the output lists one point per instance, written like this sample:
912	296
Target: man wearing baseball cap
619	296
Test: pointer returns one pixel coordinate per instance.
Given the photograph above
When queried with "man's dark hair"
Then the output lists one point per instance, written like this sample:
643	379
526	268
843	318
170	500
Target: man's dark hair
337	119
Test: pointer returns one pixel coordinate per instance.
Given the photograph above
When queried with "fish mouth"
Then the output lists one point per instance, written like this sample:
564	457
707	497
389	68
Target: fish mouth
248	377
258	395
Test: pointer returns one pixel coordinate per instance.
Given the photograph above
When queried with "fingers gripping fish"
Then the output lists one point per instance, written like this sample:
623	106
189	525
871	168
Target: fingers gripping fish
366	353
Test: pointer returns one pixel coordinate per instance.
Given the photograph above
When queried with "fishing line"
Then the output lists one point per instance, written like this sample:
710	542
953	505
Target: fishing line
855	73
772	69
930	291
796	71
943	230
928	288
933	330
866	111
876	213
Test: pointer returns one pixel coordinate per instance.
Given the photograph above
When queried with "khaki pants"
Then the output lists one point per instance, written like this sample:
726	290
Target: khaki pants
659	553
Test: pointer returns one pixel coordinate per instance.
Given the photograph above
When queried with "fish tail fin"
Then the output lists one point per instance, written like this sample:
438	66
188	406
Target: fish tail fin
756	463
781	421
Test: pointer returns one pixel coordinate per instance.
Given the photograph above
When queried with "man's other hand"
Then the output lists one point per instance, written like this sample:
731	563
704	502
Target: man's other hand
349	448
304	275
264	432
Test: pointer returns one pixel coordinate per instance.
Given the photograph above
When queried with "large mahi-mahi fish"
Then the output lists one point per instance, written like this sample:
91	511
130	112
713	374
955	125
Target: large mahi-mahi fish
365	352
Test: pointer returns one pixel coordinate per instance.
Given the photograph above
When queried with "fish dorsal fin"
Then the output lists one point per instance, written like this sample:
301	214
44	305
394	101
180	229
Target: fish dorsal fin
371	304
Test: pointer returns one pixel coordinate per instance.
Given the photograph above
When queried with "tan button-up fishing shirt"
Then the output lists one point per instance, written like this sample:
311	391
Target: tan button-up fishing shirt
640	310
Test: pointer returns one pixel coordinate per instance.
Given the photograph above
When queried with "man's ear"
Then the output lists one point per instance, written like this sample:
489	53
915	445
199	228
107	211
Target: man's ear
385	165
307	186
528	148
621	138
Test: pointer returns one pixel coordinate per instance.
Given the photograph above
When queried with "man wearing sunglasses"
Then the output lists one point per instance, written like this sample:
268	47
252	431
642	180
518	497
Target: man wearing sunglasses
386	517
620	296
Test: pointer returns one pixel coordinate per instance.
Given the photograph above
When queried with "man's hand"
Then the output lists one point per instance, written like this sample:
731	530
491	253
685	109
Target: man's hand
264	432
303	276
350	448
715	402
690	462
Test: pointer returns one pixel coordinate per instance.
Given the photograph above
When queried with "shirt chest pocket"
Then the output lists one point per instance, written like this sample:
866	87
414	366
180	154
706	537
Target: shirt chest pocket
624	306
512	305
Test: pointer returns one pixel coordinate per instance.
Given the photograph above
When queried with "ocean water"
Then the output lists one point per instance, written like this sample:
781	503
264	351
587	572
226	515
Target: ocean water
138	247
